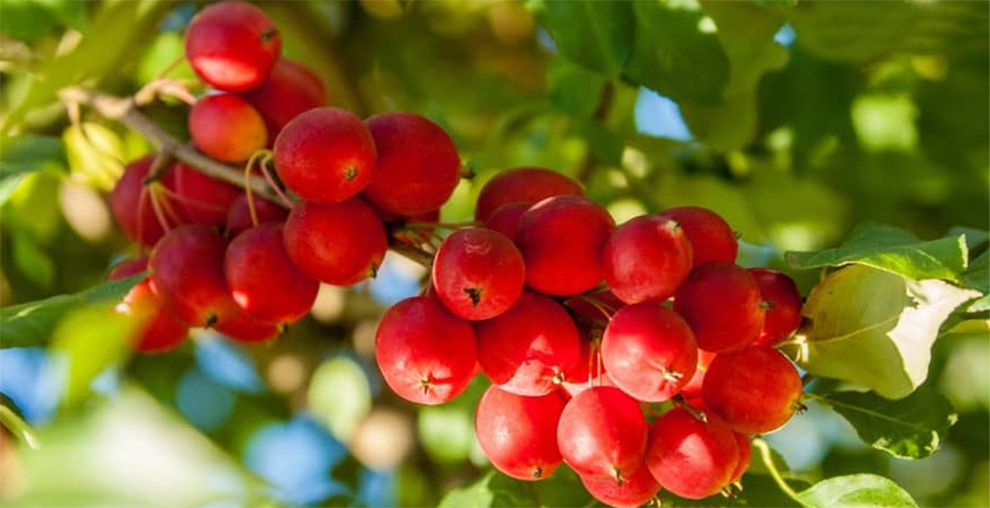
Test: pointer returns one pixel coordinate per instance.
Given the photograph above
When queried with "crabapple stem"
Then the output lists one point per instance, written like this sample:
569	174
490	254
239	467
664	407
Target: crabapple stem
18	426
764	448
680	402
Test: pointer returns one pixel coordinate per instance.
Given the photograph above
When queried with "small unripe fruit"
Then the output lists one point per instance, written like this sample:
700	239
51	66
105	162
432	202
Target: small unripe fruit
263	280
646	259
649	351
239	215
478	273
712	240
232	45
417	168
528	349
722	304
338	244
689	457
783	302
522	185
519	434
602	434
158	331
227	128
203	199
290	90
755	390
635	491
187	274
425	354
325	155
562	239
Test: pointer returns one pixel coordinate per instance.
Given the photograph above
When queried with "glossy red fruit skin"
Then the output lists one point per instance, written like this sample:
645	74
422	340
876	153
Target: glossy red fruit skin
722	304
528	349
425	354
227	128
649	351
711	238
263	280
187	274
693	388
745	456
325	155
562	239
232	45
132	208
290	90
418	166
204	200
519	434
160	331
505	220
783	315
646	259
635	491
338	244
239	214
522	185
242	327
478	273
755	390
689	457
602	434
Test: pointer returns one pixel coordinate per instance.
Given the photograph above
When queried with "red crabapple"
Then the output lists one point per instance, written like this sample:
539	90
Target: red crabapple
242	327
263	280
232	45
227	128
646	259
783	315
291	89
519	434
754	390
528	349
425	354
203	199
722	303
649	351
690	457
325	155
505	220
635	491
522	185
478	273
602	434
131	203
239	215
187	274
745	456
692	390
418	166
711	237
339	244
562	239
158	331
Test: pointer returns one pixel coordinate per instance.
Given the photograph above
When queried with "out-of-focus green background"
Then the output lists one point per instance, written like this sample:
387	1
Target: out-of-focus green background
795	120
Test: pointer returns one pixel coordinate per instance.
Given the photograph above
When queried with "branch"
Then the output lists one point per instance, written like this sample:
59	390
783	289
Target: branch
125	111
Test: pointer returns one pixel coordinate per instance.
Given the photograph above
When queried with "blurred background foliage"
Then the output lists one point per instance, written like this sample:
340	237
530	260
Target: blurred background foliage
794	119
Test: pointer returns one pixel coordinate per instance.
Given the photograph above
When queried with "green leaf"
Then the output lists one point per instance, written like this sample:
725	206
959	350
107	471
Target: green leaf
859	32
26	154
595	35
604	145
675	54
894	250
492	490
573	89
874	328
30	324
87	341
859	491
30	20
910	428
32	260
977	276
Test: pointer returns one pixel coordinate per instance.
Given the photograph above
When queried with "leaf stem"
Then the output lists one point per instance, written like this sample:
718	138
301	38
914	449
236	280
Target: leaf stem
18	427
772	468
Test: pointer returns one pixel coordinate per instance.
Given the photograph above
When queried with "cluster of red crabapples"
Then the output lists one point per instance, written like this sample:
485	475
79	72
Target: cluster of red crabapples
570	318
223	258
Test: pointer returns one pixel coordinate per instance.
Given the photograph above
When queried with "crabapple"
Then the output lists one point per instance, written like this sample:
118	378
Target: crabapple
602	434
519	434
783	315
754	390
710	236
232	45
722	304
478	273
690	457
646	259
525	185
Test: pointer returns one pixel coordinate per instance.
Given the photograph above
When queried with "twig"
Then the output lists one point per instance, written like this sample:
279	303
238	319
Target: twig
18	427
764	448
